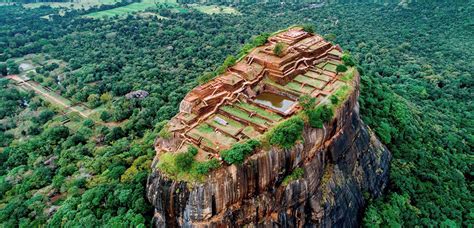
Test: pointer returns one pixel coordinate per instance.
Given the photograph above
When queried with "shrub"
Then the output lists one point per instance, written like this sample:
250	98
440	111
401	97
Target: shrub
205	78
204	168
342	93
308	28
334	99
88	123
295	175
105	116
307	102
184	161
167	164
341	68
317	117
239	151
260	39
348	60
278	49
192	150
287	133
164	132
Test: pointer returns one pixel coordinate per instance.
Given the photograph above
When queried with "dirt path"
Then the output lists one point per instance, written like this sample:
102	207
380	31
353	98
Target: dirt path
48	96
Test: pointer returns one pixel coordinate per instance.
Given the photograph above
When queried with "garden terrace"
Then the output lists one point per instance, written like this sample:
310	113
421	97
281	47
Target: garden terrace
257	93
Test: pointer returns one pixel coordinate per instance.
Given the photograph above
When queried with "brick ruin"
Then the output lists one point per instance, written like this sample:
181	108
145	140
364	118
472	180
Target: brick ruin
245	101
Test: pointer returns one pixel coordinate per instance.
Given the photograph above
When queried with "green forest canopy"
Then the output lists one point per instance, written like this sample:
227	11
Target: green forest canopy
416	95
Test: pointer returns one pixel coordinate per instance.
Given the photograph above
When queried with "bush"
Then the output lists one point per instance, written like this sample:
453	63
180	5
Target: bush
308	28
334	99
317	117
105	116
184	161
341	68
287	133
295	175
260	39
348	60
192	150
278	49
204	168
307	102
239	151
164	132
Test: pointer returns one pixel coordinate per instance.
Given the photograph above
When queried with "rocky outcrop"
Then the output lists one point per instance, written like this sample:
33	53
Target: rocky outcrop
343	164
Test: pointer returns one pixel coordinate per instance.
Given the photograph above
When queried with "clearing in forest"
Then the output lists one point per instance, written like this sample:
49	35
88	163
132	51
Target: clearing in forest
78	4
214	9
50	96
136	7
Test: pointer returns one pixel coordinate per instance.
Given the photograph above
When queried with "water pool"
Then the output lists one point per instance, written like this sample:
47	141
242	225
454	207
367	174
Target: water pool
275	101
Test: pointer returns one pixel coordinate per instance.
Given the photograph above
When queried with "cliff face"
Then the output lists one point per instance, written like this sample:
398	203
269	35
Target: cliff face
343	162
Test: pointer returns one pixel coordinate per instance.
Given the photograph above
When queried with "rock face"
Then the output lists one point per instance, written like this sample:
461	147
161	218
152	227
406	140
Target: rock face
343	164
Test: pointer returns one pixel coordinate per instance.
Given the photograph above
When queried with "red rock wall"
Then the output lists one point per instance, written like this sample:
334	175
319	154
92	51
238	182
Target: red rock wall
340	162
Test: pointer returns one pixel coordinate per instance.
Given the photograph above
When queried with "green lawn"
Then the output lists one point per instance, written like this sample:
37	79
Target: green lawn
310	81
260	111
233	127
195	135
250	132
216	138
297	87
244	115
330	67
315	75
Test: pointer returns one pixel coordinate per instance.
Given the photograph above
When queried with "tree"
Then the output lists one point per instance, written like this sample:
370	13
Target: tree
318	116
239	151
12	67
330	37
205	167
287	133
3	69
105	97
308	28
183	161
45	116
93	100
307	102
341	68
105	116
348	60
278	49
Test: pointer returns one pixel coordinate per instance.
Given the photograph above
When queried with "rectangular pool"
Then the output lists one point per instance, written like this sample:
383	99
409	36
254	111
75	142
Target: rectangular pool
275	101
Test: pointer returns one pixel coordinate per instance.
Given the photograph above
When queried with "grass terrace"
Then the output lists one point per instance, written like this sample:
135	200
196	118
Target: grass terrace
250	132
239	113
298	87
232	128
330	67
217	138
310	81
260	111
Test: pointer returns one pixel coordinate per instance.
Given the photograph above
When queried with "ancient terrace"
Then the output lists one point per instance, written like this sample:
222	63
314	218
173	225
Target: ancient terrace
255	94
